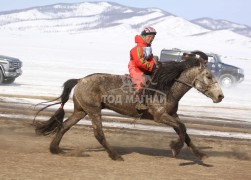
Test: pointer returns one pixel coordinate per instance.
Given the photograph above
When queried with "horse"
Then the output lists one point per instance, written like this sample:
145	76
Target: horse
98	91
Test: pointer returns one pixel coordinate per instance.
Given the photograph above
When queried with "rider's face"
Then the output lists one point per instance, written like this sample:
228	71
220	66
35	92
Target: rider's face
149	38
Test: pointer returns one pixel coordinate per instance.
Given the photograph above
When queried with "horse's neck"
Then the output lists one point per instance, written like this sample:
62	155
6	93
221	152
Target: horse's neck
179	89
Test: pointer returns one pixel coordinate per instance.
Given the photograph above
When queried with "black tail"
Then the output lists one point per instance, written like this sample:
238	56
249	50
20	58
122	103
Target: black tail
55	122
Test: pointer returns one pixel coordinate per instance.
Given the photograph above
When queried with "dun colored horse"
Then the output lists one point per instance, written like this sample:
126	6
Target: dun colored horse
106	91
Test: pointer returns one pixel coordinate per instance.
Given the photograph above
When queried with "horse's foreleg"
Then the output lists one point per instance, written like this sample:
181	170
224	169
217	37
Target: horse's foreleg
188	140
165	118
99	134
72	120
176	146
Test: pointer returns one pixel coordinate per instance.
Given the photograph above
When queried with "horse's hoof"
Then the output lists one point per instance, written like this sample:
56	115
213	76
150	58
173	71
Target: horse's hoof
203	156
117	158
174	153
175	147
199	154
56	150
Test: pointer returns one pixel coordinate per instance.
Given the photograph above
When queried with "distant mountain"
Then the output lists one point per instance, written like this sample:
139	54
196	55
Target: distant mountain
83	16
98	19
79	17
218	24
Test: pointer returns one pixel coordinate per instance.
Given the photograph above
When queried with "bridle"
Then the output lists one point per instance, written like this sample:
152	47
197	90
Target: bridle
203	90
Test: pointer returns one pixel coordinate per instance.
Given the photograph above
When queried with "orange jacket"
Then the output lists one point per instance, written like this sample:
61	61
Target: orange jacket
137	60
138	66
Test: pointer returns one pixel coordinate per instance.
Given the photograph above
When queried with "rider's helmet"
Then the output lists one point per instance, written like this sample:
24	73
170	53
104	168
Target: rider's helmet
148	30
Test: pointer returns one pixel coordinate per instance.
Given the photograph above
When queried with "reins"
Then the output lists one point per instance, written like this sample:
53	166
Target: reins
182	82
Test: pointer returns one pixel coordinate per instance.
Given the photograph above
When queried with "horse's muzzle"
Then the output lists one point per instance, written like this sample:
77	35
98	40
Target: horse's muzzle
219	99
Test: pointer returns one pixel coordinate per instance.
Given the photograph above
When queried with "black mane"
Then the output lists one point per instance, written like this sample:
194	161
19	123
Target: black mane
166	74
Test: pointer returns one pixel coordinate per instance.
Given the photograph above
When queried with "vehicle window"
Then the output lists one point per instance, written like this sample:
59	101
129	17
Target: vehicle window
219	58
211	59
170	56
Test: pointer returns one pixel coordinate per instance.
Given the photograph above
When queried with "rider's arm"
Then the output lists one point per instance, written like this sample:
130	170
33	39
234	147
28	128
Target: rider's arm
138	57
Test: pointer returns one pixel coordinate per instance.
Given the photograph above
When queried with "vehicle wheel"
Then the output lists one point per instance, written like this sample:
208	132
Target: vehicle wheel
9	80
227	80
1	77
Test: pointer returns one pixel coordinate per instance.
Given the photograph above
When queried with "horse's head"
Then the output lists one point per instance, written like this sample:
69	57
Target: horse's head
192	73
206	83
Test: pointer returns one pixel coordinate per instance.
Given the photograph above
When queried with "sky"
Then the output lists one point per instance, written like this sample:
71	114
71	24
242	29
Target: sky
232	10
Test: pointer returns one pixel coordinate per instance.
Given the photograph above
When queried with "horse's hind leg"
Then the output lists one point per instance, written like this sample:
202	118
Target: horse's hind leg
99	134
72	120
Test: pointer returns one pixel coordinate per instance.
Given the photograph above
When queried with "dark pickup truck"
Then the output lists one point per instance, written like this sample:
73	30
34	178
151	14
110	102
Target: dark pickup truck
10	69
227	75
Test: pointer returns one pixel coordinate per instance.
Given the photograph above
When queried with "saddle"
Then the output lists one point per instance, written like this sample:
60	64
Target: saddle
127	80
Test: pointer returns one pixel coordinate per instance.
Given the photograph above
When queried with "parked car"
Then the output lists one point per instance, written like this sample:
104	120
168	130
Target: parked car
227	75
10	69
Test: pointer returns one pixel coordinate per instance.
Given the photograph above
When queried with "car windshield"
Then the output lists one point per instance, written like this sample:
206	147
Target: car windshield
214	58
219	58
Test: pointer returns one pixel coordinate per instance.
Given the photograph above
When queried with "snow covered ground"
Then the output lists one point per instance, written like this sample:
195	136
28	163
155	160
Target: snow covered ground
49	59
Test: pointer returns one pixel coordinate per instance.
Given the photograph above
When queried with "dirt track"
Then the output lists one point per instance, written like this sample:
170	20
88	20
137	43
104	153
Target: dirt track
24	155
147	155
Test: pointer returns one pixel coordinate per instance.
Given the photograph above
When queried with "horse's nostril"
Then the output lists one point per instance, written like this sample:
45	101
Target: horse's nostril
221	96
